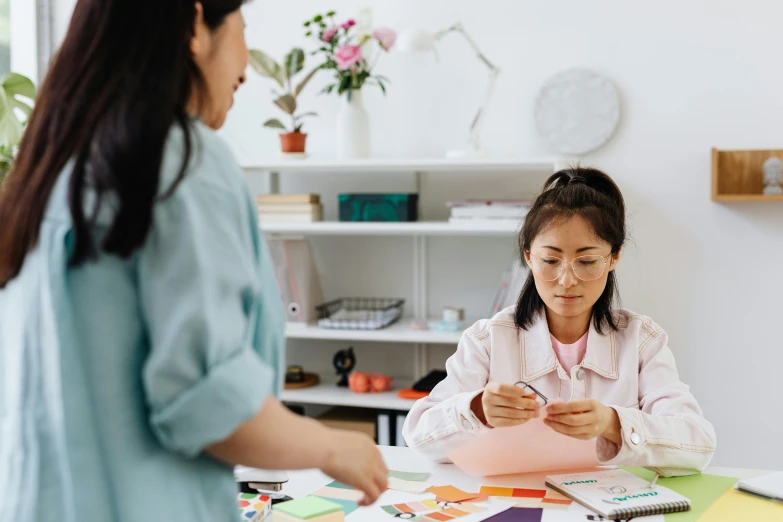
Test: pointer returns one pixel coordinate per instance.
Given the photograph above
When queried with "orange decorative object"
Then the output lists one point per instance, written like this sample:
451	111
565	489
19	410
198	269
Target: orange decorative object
410	393
368	382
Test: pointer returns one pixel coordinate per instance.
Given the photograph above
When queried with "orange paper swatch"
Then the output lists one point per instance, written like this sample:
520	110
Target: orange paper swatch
451	494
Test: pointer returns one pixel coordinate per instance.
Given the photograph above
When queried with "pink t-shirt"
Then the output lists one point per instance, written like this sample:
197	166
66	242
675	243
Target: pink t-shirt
569	355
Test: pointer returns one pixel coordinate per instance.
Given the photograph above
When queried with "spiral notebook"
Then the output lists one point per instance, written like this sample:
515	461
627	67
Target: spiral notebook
618	494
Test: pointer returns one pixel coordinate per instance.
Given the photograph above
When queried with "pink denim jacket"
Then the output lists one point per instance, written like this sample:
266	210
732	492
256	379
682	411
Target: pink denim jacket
631	370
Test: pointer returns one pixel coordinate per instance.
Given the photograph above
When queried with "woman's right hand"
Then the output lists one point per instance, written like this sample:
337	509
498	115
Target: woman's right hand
502	405
353	459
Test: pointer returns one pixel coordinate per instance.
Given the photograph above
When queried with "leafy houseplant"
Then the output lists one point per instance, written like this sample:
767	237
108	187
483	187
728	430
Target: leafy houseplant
292	141
17	93
348	52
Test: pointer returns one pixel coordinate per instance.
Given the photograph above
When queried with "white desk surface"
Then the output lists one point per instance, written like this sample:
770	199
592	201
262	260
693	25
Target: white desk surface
302	483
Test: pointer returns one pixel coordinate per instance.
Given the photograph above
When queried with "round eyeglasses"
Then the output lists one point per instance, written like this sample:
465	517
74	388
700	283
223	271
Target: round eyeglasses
586	268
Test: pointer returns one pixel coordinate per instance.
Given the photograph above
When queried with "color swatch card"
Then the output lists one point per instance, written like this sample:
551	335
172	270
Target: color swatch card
523	449
529	498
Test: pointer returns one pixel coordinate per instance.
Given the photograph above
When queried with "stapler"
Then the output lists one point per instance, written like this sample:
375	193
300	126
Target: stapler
268	482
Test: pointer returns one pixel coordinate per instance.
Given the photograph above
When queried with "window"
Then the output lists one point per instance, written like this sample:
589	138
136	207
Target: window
28	34
5	37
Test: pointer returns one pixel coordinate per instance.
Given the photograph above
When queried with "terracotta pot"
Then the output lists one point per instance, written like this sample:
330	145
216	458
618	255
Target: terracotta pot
293	142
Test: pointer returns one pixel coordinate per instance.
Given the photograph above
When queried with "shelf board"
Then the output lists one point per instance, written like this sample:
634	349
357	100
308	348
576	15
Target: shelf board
381	165
738	175
329	394
418	228
750	198
399	332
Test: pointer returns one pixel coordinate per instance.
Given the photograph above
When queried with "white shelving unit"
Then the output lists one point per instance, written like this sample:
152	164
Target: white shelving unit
384	166
327	393
399	332
330	395
498	227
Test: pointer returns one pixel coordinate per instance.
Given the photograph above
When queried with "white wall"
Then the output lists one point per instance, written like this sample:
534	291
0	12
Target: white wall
692	75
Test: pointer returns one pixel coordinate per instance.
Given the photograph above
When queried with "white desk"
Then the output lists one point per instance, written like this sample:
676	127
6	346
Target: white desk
302	483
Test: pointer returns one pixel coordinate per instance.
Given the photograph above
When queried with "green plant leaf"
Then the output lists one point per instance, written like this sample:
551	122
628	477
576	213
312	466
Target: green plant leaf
306	114
15	93
331	13
10	126
308	33
294	62
382	86
18	85
274	123
304	81
287	103
265	65
307	23
298	128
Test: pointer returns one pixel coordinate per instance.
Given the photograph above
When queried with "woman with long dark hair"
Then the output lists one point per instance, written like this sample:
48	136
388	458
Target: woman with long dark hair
567	354
141	331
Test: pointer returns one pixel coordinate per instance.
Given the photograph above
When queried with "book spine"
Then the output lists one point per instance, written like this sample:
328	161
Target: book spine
384	426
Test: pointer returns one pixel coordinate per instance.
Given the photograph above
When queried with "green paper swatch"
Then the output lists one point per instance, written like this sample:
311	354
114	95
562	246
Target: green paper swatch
703	491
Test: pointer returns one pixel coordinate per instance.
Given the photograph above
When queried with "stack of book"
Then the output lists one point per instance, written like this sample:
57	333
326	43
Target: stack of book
488	210
301	208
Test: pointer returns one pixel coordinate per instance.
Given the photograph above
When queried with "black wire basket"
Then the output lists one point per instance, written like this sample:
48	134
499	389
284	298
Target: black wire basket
359	313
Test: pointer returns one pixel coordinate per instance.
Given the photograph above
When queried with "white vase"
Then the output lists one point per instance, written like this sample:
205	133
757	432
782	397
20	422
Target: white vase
353	128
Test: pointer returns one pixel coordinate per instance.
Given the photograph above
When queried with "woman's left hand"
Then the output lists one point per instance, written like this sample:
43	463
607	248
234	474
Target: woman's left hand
584	420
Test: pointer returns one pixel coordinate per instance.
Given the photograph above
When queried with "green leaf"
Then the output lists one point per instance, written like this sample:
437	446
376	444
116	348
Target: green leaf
307	23
298	128
18	85
10	126
287	103
294	62
15	93
317	18
274	123
331	13
382	86
265	65
308	33
304	81
306	114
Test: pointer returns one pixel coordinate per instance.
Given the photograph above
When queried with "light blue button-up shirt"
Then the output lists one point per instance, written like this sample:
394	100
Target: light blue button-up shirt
115	375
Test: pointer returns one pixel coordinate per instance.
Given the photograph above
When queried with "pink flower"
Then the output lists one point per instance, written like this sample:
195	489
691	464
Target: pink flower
329	34
347	55
385	36
348	23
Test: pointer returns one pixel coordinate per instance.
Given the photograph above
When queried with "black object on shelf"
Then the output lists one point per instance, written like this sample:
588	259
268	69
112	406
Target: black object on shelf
294	374
429	381
344	362
393	208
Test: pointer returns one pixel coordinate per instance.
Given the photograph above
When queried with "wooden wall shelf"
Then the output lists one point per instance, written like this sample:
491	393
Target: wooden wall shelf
737	175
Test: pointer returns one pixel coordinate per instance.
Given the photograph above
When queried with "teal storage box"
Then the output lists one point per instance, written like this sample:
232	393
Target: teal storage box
379	207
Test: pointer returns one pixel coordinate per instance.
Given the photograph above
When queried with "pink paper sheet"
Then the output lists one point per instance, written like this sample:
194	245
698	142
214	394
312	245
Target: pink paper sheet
523	449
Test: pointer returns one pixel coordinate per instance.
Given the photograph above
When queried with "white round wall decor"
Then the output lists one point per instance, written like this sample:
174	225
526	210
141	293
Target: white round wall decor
577	111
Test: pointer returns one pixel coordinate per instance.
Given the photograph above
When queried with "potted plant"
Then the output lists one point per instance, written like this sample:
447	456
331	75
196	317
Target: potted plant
292	141
352	53
16	95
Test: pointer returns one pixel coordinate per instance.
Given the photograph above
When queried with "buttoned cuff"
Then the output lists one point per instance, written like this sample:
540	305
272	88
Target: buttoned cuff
632	436
464	418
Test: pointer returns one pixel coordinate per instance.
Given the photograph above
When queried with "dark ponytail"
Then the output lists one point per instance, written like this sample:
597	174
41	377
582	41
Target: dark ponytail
123	77
593	196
